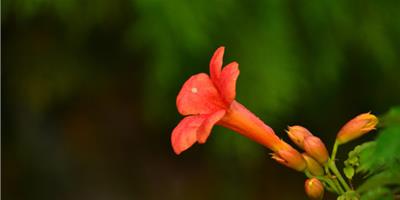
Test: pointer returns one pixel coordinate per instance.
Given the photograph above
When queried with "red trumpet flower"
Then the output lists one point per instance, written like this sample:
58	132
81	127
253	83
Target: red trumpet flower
206	101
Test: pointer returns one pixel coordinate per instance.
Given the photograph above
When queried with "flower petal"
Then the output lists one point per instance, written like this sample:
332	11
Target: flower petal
205	129
185	133
227	82
199	96
216	63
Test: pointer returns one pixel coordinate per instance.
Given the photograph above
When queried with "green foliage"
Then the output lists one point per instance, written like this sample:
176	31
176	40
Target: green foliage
353	161
389	177
386	152
351	195
379	193
364	157
379	161
349	172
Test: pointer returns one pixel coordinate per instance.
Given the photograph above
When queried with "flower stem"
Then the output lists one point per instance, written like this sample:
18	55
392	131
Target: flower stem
333	186
334	179
334	151
332	166
334	169
329	183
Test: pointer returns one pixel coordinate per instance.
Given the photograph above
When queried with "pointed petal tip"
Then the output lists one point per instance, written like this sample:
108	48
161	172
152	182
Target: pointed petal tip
218	54
175	144
178	147
216	63
220	48
177	151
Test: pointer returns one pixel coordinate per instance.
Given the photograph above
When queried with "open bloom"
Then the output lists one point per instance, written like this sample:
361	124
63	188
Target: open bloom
357	127
209	100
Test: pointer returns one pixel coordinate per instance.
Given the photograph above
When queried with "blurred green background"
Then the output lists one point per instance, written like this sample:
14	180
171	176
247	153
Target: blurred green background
89	91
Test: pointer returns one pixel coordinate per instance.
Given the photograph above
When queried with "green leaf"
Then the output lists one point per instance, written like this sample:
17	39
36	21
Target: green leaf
388	177
380	193
350	195
357	154
381	162
364	158
385	154
349	172
352	161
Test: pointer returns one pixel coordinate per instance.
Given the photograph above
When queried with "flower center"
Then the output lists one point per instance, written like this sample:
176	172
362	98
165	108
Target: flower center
194	90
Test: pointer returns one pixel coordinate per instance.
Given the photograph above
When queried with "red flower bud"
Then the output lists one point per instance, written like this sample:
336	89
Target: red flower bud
357	127
313	166
316	149
297	135
314	189
290	158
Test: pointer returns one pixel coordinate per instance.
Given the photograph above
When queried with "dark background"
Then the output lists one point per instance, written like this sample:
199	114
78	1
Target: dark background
89	91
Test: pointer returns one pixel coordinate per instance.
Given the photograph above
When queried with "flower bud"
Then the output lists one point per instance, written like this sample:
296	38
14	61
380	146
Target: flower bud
297	135
314	189
357	127
316	149
313	166
290	158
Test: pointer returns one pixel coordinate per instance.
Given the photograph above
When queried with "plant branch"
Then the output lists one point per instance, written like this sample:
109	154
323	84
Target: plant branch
334	169
332	166
334	150
334	180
